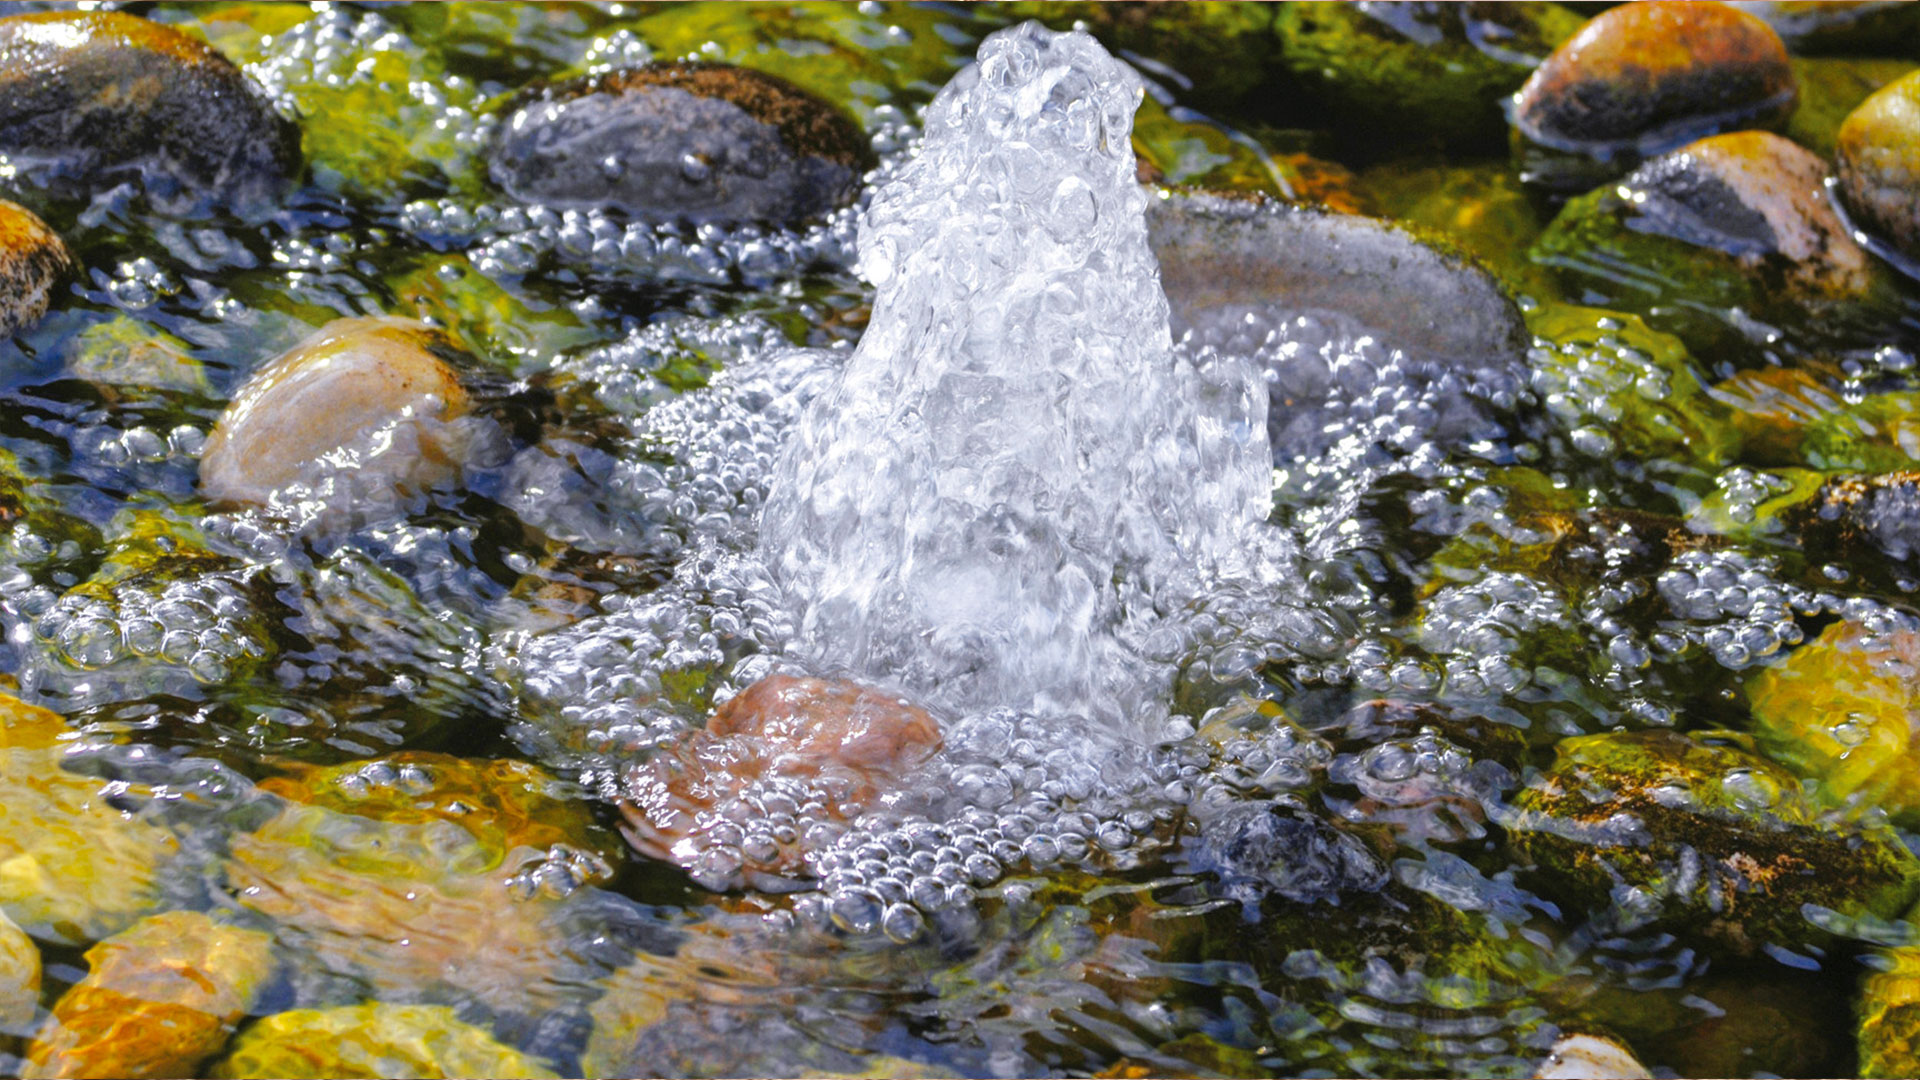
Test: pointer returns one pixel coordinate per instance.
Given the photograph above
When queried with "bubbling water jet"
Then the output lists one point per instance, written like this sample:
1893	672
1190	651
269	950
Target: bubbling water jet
1017	483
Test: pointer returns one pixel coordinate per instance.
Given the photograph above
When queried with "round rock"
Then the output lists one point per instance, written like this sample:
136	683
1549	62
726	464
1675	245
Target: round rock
32	258
375	396
1878	162
1643	78
91	99
690	142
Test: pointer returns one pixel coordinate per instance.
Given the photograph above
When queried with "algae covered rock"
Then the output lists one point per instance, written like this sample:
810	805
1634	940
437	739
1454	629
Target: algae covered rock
1640	79
692	142
159	999
1658	829
32	259
1831	88
1889	1013
123	353
1225	50
92	99
74	867
375	397
373	1040
1878	162
1844	709
1616	384
503	325
1418	70
19	980
1727	241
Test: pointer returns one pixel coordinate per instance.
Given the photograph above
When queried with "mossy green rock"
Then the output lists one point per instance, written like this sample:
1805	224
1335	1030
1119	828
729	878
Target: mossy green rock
91	99
123	352
373	1040
1225	49
1831	88
1844	709
1481	207
32	259
1878	162
1876	435
507	327
1418	70
1658	829
1618	385
1704	240
1889	1033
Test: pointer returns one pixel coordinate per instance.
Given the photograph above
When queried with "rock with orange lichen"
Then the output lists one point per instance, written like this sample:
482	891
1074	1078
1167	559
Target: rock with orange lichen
775	774
74	865
32	259
161	998
1642	79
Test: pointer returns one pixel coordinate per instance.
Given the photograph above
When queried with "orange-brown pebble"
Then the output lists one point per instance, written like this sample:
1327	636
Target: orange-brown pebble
1652	75
830	744
32	259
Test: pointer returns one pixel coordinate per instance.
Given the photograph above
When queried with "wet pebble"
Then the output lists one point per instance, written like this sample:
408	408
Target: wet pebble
1590	1057
160	998
32	259
1643	78
1878	163
373	397
689	142
90	99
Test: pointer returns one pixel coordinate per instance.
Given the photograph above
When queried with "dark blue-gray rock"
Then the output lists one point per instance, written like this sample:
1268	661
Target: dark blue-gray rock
90	100
690	142
1260	849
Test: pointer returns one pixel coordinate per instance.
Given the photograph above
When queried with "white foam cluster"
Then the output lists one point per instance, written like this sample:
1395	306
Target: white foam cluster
1015	478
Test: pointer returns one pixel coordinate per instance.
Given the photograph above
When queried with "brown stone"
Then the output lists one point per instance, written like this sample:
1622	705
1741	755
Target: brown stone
1878	162
1645	77
32	259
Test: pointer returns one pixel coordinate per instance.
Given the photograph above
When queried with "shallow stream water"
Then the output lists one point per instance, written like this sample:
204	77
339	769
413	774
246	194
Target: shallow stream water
1230	755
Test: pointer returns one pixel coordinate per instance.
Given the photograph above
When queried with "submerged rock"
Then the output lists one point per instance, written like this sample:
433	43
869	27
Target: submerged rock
19	981
690	142
372	397
781	767
1820	26
159	999
1704	240
1831	88
1269	848
1644	78
1869	525
74	867
126	353
1878	162
1889	1011
32	259
374	1039
1225	50
1844	709
1590	1057
90	99
1418	70
1656	829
